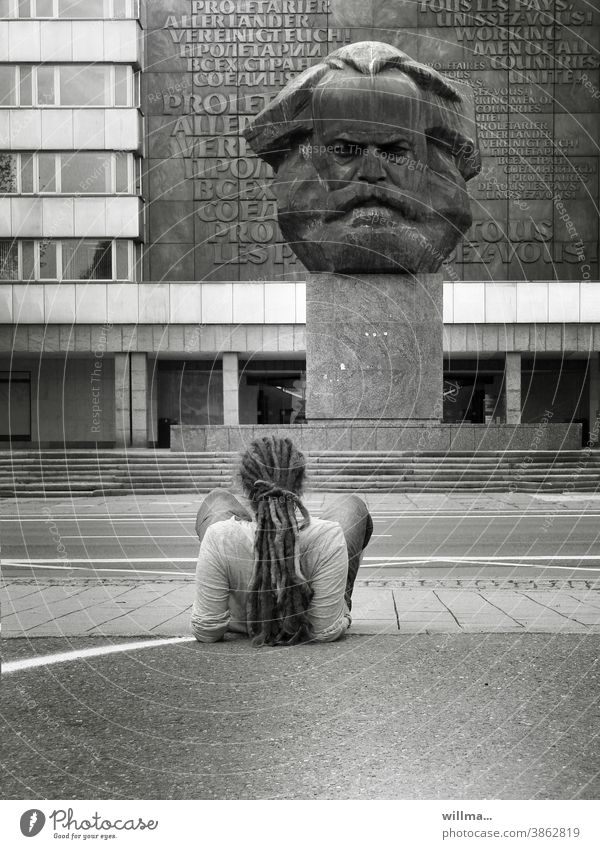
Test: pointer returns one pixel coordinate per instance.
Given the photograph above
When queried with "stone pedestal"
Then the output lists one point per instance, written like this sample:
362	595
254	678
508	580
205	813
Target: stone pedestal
374	347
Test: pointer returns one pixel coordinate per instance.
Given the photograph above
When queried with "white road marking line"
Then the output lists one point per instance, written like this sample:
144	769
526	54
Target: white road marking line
130	536
64	657
517	558
14	564
383	566
491	558
65	560
571	568
406	514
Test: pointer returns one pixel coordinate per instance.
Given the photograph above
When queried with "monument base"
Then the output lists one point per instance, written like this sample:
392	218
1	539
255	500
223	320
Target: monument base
384	436
374	347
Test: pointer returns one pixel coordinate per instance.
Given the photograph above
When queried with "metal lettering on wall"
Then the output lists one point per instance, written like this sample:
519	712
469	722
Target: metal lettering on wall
534	67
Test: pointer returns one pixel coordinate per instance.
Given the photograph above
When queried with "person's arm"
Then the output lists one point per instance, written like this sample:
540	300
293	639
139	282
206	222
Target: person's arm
328	611
210	612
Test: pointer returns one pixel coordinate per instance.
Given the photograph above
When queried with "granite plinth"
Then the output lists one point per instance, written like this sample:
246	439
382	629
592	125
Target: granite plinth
384	436
374	347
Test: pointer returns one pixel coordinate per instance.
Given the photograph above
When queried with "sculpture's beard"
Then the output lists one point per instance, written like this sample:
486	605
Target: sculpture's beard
366	228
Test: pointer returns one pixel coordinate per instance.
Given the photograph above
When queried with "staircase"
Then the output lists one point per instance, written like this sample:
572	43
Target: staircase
49	473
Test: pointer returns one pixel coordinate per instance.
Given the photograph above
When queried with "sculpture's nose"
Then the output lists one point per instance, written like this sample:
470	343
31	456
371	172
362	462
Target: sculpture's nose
371	168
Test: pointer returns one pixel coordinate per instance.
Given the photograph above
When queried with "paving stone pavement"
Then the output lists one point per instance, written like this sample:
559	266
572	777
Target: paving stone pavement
161	607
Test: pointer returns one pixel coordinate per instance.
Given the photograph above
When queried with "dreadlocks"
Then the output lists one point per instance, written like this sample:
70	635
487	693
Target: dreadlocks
272	473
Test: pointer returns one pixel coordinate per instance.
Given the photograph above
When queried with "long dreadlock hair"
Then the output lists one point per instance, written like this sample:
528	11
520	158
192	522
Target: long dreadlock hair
272	474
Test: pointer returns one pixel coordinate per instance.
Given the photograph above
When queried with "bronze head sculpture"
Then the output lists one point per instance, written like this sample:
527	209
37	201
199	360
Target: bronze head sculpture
371	153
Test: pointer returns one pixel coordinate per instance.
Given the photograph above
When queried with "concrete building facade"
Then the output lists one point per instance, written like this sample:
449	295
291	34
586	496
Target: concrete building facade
123	306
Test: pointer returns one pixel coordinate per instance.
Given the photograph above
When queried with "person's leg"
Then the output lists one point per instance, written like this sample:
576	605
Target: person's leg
219	505
352	514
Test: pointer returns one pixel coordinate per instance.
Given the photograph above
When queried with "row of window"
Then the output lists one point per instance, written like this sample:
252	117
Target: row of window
69	9
70	173
69	259
68	85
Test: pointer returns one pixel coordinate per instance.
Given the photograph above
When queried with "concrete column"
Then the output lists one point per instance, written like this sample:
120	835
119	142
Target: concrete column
231	389
122	401
512	388
139	400
152	400
594	384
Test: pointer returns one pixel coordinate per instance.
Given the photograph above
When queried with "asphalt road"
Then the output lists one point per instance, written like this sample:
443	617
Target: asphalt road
425	717
550	540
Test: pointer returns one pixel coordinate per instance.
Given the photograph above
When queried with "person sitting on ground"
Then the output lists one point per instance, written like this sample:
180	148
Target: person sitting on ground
276	574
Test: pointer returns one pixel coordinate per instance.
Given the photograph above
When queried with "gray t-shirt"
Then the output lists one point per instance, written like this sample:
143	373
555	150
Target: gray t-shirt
224	571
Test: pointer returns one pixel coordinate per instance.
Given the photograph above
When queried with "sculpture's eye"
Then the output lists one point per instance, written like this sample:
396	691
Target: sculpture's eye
347	149
397	152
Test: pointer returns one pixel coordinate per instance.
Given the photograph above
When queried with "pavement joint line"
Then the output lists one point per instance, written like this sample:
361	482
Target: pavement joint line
502	611
80	654
74	594
447	608
585	601
553	609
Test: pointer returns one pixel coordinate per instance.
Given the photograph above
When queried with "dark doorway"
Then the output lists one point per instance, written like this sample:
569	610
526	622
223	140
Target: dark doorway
15	406
471	398
272	392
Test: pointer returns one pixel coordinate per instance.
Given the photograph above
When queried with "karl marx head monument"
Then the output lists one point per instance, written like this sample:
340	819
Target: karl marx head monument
371	153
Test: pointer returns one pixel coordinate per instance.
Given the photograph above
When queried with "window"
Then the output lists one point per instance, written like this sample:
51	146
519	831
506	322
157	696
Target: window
9	259
8	86
122	181
26	86
47	260
85	86
69	259
101	173
69	9
26	172
86	260
122	84
67	85
46	86
9	173
86	172
44	8
81	8
47	172
28	254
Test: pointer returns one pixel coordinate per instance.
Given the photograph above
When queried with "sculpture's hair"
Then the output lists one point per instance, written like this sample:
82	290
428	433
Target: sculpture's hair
450	121
272	474
372	58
